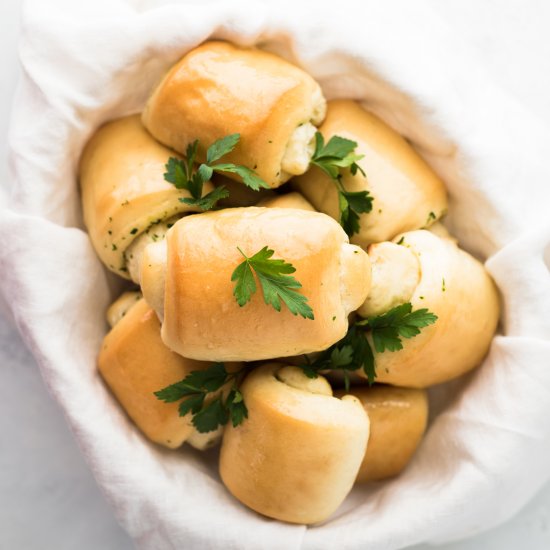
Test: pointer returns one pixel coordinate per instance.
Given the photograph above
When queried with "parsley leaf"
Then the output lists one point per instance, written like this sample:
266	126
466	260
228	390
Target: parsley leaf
249	177
222	147
181	173
193	404
337	154
208	201
276	282
400	322
176	173
207	415
353	203
210	416
236	408
354	351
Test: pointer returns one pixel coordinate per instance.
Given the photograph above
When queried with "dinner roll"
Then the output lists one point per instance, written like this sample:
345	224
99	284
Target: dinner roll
398	418
135	363
407	193
457	288
219	89
201	317
297	455
125	198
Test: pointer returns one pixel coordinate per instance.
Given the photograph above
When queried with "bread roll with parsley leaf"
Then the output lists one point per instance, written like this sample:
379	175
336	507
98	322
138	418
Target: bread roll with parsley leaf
135	363
407	193
219	89
296	456
199	282
126	201
449	283
398	418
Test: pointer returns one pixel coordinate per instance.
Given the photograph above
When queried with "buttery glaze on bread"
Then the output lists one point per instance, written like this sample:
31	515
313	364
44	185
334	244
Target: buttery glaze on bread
297	455
201	318
124	194
457	288
219	89
135	363
407	193
398	418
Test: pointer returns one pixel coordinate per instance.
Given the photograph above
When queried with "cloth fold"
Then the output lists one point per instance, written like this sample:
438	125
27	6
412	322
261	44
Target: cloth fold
487	451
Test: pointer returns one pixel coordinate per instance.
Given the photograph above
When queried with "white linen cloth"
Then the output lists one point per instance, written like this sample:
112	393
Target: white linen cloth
488	449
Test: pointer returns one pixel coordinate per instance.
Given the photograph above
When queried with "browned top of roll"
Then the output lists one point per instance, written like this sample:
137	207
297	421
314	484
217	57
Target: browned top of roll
219	89
202	318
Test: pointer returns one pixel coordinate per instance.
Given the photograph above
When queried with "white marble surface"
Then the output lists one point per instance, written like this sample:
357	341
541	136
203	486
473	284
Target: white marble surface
48	498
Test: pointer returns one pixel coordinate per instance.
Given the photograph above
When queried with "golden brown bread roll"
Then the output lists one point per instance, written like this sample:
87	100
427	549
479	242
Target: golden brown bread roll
456	287
219	89
297	455
124	194
398	418
407	193
201	317
135	363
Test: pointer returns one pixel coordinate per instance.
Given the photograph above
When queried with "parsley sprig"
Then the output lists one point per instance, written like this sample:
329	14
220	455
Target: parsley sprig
275	279
331	158
354	351
182	173
194	389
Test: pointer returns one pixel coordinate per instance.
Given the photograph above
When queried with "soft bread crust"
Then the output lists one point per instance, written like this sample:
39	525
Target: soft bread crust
234	90
407	193
297	455
398	418
458	289
289	200
123	189
202	318
135	363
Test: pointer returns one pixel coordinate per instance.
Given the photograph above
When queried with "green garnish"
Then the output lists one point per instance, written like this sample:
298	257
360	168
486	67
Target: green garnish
194	389
275	279
331	158
354	351
182	174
